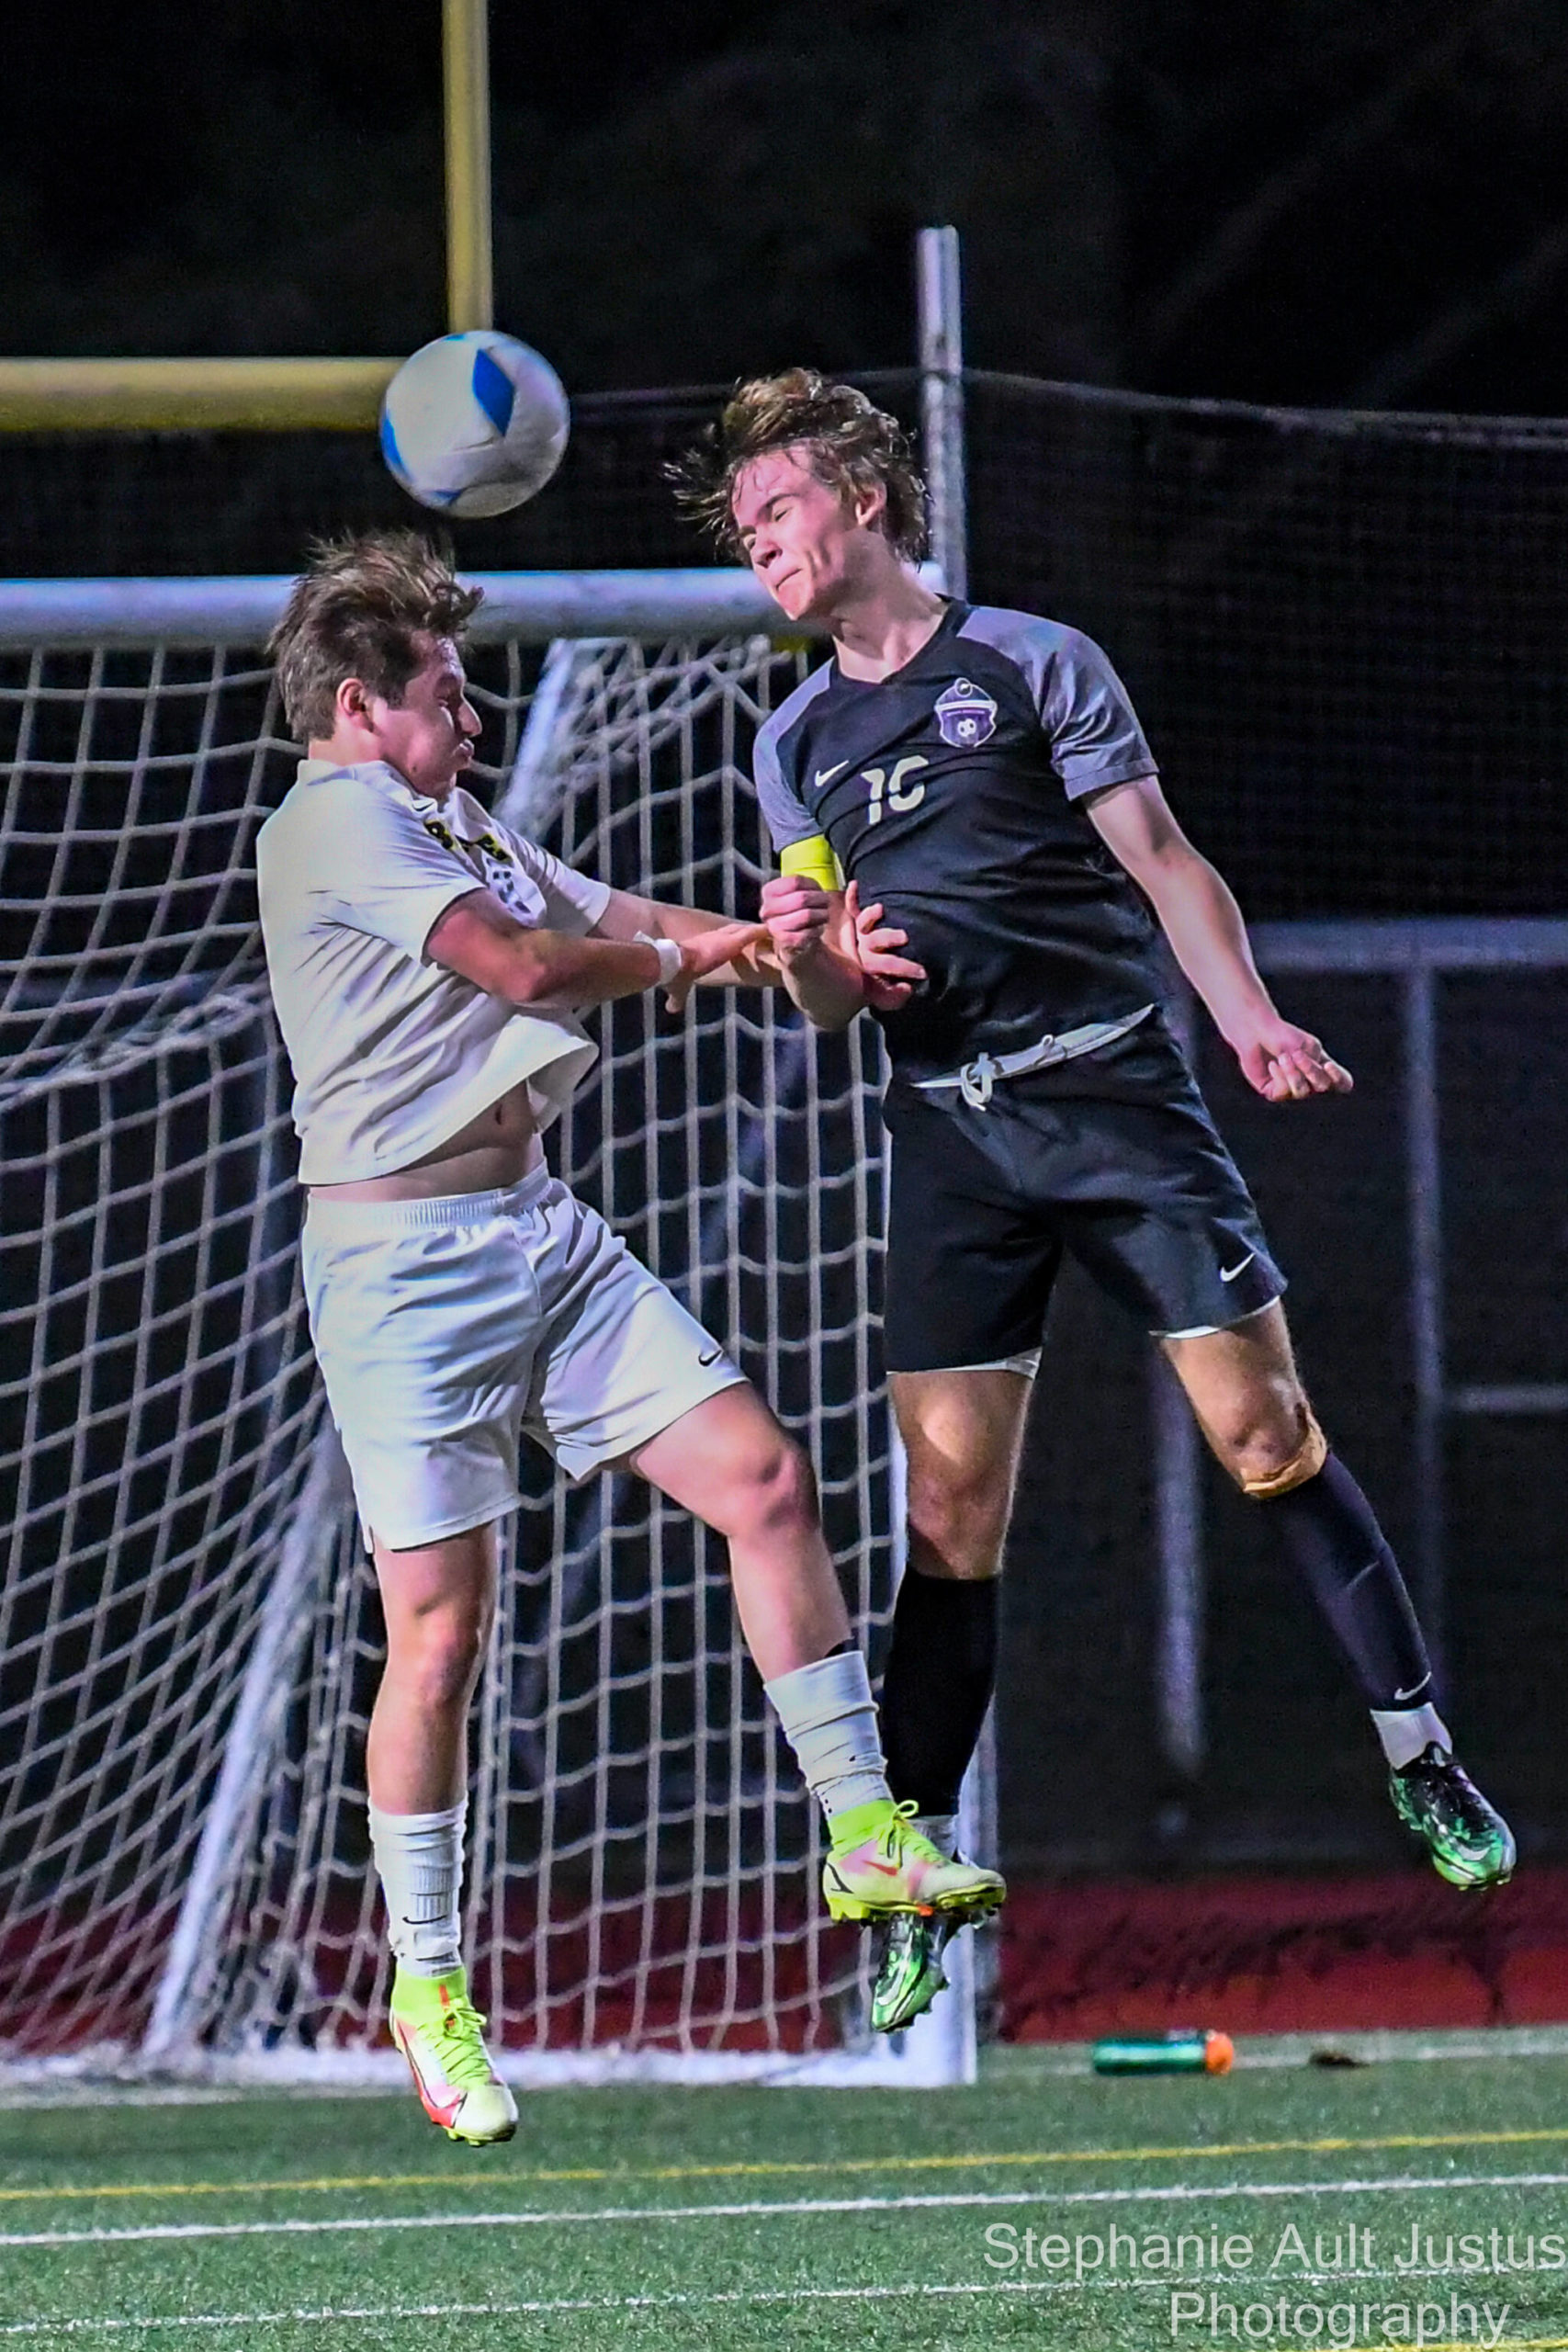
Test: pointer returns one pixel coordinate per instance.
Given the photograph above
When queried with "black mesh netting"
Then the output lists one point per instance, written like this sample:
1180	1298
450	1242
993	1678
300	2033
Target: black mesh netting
1343	634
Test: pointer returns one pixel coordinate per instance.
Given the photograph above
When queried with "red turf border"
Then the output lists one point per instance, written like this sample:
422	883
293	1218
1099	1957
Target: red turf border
1278	1955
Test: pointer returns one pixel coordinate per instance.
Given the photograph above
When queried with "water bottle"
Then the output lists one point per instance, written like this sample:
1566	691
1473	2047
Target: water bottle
1169	2053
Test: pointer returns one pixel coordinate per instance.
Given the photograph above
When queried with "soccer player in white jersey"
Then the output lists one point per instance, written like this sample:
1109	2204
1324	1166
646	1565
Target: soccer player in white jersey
428	966
981	780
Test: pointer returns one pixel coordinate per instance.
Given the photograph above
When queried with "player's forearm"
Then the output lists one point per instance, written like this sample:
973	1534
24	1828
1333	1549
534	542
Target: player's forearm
628	914
567	974
1203	923
547	971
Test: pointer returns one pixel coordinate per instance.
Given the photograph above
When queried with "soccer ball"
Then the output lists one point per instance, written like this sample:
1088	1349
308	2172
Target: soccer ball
474	423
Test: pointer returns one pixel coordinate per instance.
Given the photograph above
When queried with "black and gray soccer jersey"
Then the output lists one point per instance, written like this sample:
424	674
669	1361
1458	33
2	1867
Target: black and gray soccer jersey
951	793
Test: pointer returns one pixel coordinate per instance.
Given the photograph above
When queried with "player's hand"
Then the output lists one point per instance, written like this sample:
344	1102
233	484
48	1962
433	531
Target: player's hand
795	911
890	979
710	951
1285	1064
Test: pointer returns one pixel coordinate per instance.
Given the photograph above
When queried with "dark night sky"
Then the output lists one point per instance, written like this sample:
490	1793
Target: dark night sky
1347	202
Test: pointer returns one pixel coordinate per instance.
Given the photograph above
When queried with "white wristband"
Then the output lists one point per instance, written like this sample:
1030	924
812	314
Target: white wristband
667	951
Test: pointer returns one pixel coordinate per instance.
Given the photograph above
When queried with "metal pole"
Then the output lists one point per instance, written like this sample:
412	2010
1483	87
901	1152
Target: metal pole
1179	1533
195	1947
470	291
1178	1541
191	395
942	402
1424	1193
940	299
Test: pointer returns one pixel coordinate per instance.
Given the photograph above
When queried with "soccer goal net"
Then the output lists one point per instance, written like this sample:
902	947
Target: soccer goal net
190	1634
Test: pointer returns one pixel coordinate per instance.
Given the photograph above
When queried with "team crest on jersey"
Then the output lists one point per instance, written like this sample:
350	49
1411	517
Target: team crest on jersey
499	867
966	715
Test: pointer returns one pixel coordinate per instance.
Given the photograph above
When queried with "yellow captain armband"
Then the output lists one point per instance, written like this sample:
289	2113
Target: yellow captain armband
815	859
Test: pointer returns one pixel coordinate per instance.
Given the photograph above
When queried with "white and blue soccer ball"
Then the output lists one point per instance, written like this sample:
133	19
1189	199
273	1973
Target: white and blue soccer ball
474	423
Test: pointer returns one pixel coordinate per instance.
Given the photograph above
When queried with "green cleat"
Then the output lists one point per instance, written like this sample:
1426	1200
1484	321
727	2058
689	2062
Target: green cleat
910	1973
880	1864
1468	1839
441	2034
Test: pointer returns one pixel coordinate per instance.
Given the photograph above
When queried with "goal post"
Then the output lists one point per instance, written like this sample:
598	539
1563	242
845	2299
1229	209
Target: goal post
190	1632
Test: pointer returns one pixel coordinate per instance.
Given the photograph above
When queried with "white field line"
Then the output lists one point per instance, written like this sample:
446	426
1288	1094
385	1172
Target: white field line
368	2315
767	2209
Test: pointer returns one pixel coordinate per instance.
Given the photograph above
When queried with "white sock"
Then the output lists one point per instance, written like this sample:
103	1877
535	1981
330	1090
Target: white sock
419	1861
829	1719
941	1828
1405	1731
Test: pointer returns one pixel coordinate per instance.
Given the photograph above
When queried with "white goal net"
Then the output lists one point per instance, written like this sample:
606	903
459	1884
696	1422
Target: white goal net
189	1635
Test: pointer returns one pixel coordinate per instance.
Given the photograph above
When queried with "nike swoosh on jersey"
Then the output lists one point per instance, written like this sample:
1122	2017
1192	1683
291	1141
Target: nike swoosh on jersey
826	775
1229	1273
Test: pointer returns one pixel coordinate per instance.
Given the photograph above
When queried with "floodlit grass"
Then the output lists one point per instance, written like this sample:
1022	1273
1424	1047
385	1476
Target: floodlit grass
643	2219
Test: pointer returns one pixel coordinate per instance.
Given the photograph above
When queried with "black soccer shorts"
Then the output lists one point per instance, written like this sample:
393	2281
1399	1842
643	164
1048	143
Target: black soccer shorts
1113	1159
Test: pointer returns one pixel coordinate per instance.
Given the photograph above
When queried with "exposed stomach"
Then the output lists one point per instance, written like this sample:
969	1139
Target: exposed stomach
497	1147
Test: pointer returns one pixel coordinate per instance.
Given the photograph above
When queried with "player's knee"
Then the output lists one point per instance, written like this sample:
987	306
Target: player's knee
775	1493
437	1655
1265	1436
960	1515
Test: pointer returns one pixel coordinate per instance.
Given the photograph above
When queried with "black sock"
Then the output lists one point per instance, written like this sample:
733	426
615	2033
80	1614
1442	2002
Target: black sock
941	1671
1332	1534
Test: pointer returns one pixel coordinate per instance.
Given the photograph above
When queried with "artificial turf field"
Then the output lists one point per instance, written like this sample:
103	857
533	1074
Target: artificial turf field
643	2218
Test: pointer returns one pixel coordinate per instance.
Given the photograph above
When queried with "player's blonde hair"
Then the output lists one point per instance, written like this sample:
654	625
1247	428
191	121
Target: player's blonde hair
366	607
849	443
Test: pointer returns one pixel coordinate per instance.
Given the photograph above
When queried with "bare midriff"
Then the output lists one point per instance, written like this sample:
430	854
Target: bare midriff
495	1149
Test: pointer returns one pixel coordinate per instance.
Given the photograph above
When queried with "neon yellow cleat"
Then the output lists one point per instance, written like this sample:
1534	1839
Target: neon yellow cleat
441	2034
880	1865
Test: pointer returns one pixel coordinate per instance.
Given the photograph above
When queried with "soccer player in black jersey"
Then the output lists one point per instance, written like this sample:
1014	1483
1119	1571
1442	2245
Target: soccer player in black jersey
968	792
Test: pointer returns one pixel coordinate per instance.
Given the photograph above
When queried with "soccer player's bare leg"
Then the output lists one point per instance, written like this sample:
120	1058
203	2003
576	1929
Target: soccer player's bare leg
438	1600
961	1432
1245	1390
729	1463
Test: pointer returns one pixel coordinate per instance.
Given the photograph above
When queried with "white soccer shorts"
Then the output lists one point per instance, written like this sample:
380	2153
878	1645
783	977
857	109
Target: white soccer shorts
447	1328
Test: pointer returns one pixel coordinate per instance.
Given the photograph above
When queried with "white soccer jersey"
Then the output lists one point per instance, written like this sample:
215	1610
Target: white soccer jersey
392	1053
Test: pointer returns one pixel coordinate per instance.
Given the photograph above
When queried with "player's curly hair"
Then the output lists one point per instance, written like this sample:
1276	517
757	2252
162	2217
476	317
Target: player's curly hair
851	443
364	608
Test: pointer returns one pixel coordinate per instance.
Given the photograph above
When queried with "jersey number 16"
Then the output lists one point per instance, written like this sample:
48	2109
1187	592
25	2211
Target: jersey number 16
887	786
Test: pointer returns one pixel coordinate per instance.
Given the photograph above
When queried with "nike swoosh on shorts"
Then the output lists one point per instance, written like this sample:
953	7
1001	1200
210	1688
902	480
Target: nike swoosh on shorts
1229	1273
